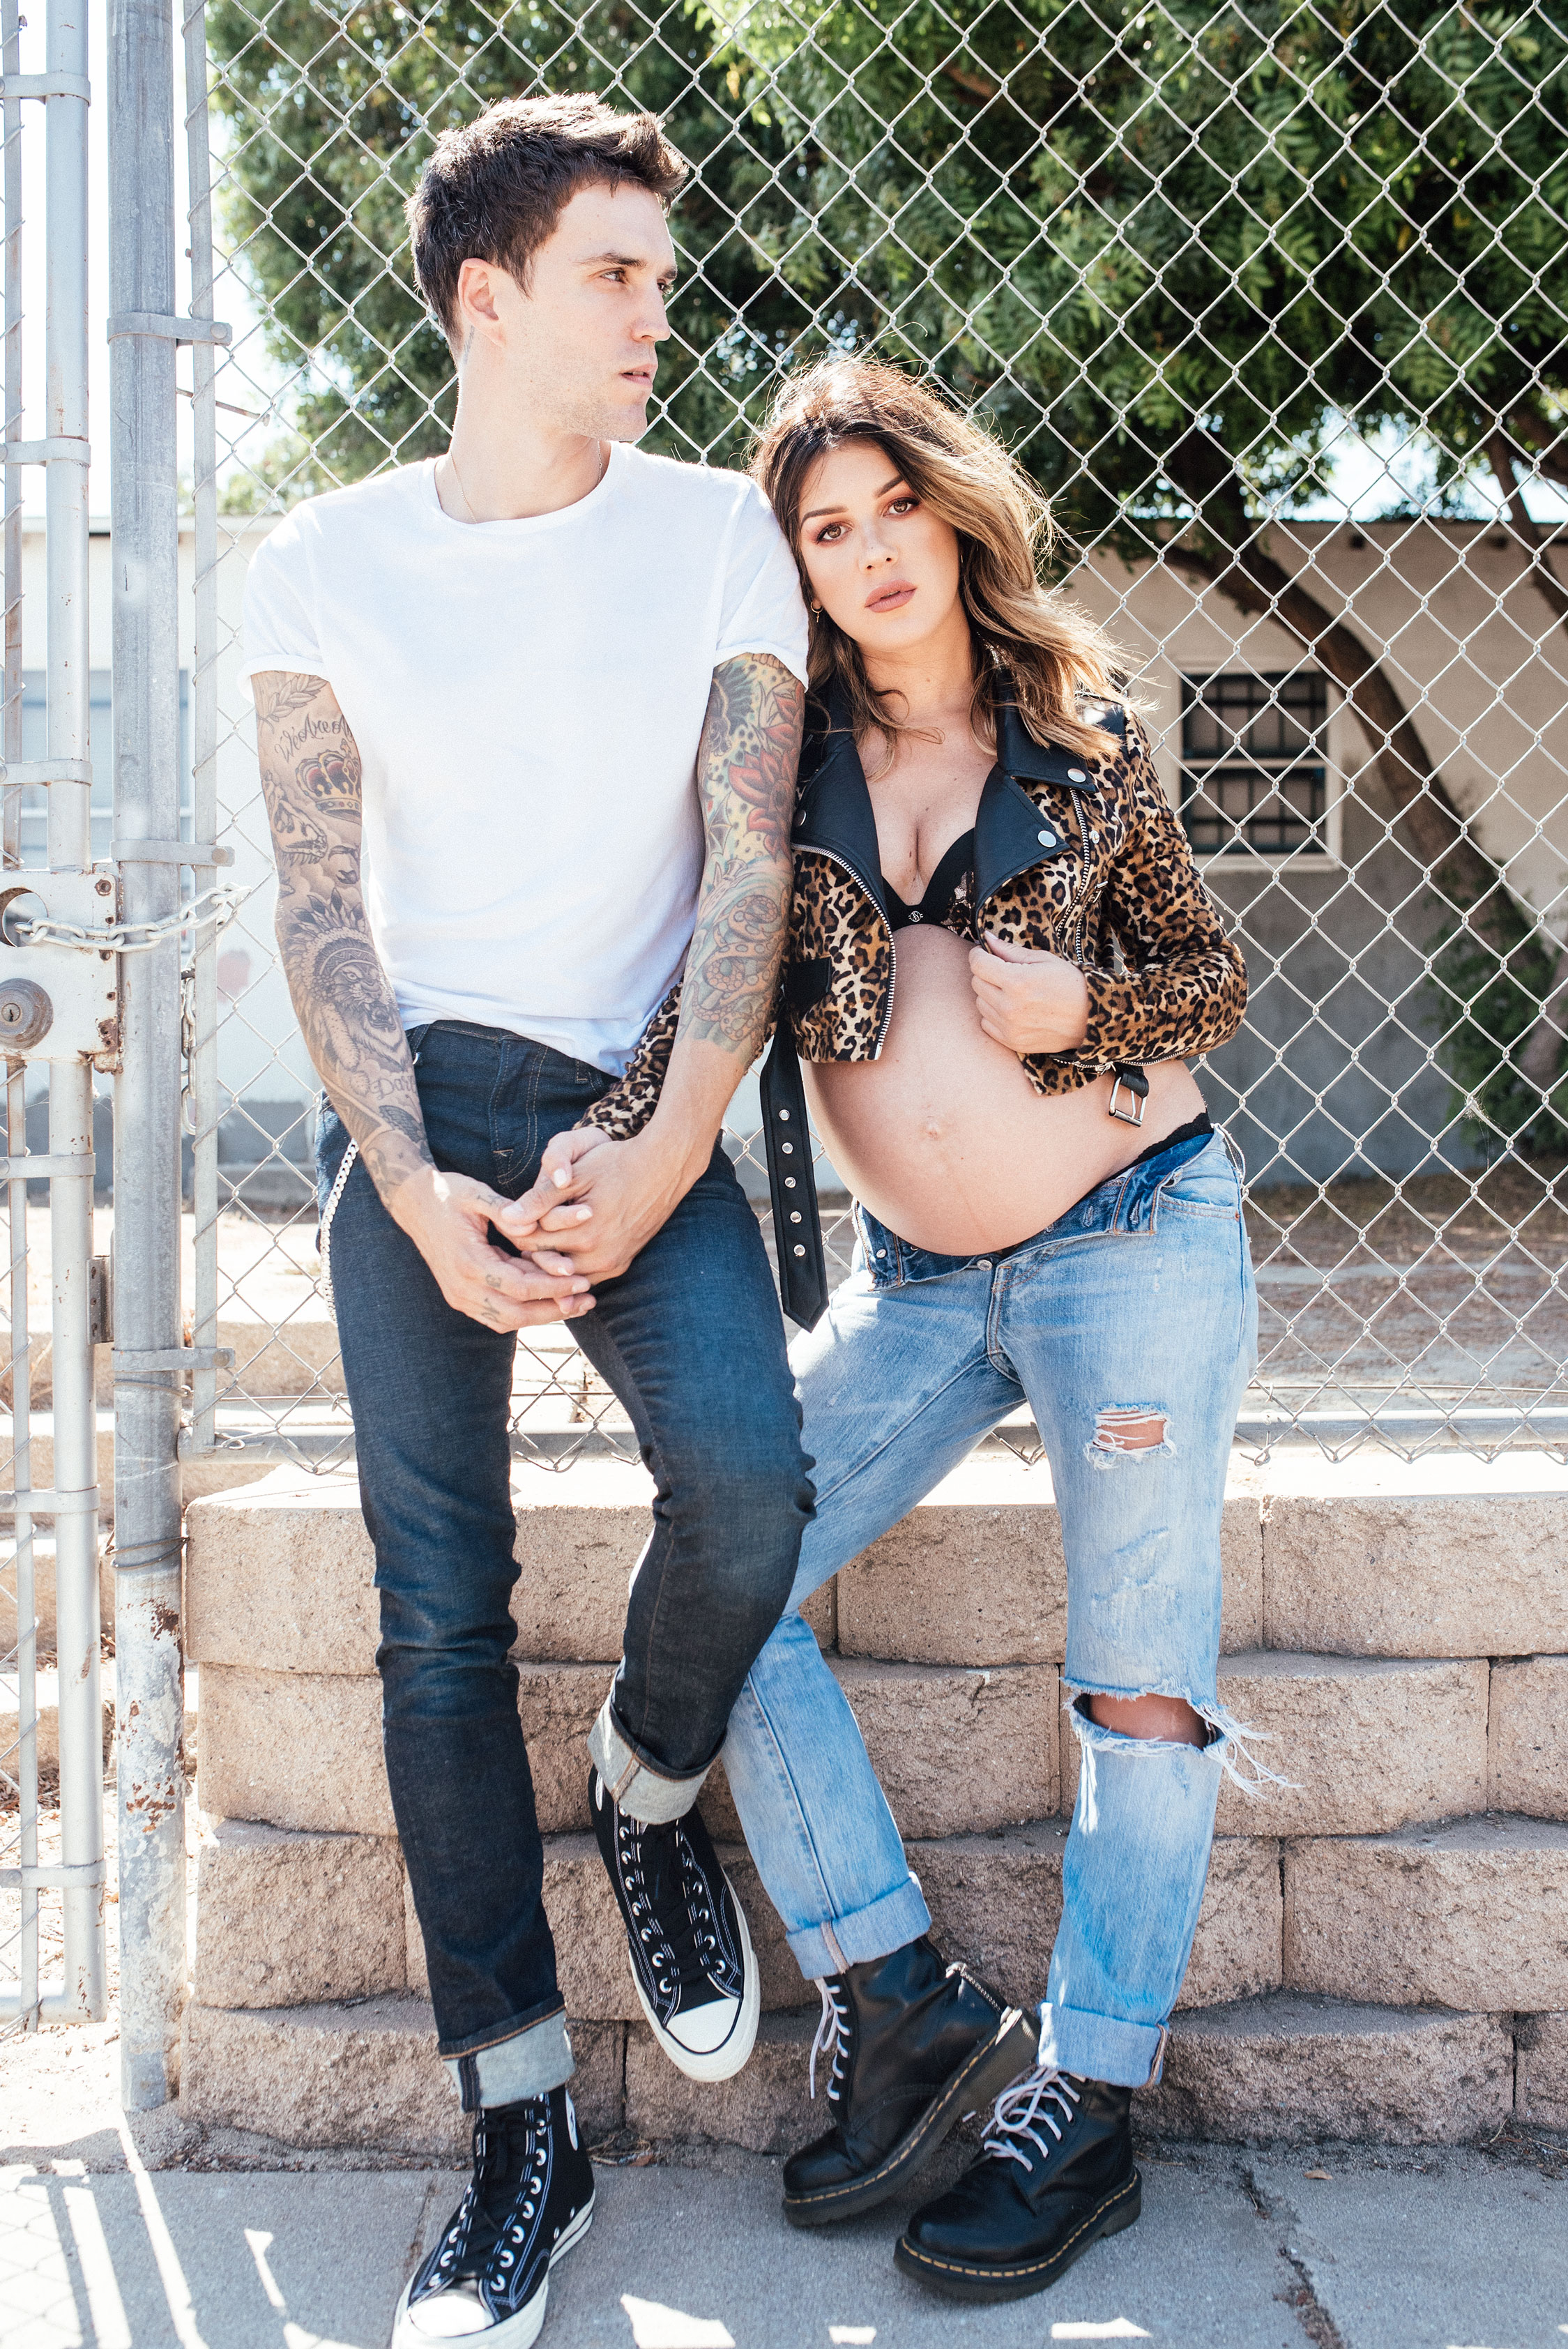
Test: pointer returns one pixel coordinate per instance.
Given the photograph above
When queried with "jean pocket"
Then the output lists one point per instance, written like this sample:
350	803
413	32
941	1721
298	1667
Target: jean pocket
1204	1185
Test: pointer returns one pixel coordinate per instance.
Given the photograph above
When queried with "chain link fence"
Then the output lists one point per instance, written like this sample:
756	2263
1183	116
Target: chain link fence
1270	302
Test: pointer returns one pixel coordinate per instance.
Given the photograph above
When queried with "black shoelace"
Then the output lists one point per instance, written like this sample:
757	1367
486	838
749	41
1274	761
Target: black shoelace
670	1904
512	2151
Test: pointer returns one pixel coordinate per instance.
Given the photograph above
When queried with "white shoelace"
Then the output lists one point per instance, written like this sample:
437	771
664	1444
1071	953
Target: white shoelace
1019	2108
831	2040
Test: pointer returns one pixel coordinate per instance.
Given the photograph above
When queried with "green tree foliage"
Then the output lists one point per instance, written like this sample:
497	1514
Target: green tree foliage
1126	229
331	115
1168	245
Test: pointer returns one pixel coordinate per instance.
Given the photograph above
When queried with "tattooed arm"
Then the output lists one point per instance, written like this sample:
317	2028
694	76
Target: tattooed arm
746	768
348	1014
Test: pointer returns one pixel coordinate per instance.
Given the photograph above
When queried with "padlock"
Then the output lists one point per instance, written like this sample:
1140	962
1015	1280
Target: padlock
27	1015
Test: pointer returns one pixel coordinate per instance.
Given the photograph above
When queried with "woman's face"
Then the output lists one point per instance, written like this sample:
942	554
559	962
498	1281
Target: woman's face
881	565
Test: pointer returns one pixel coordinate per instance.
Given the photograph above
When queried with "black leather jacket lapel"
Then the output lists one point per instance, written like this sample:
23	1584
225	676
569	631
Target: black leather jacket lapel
1011	832
833	816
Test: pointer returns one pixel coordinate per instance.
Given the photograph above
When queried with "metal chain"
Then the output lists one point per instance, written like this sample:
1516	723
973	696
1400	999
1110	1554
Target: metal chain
140	938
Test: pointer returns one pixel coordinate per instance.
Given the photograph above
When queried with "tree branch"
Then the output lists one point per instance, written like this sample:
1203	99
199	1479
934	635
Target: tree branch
1525	527
1541	1057
972	85
1263	587
1549	448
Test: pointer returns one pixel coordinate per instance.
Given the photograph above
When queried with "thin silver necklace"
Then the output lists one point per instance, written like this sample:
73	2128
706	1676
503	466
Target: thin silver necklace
603	469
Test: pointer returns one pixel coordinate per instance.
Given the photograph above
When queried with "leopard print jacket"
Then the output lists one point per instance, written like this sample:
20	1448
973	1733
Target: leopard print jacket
1090	864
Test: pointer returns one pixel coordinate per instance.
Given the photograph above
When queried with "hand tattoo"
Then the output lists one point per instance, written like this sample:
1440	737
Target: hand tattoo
347	1010
746	781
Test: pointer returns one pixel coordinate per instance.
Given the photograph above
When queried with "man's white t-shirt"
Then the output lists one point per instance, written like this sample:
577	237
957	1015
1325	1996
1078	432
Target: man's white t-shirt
527	699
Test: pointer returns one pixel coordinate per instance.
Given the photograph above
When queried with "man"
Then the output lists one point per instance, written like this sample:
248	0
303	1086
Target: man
529	719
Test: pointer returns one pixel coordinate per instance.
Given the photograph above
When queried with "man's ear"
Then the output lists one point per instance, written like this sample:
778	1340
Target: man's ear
477	311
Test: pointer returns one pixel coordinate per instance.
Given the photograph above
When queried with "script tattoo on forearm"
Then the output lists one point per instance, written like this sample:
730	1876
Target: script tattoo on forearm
344	1001
746	771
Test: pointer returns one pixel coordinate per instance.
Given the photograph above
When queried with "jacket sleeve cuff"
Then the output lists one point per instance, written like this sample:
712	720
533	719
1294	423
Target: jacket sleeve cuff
632	1099
1117	1022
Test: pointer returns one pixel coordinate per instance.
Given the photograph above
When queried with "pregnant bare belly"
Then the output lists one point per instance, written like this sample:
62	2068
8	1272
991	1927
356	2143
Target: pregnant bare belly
945	1138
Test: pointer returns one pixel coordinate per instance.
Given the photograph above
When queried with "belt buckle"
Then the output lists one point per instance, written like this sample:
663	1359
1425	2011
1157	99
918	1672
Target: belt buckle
1133	1116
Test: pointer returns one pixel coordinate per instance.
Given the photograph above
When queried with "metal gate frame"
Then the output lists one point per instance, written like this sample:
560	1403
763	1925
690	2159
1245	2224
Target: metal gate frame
71	1500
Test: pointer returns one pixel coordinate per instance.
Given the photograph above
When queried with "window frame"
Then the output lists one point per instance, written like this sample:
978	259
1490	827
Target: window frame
1303	858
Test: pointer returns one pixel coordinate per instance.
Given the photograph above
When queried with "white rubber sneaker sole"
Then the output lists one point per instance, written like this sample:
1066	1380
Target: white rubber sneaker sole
519	2332
732	2057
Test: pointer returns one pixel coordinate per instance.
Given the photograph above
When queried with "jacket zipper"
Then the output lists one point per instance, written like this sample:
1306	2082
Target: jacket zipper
860	881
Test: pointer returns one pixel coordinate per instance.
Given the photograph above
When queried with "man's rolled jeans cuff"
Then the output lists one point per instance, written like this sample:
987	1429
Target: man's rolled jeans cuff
527	2063
874	1932
1102	2046
639	1786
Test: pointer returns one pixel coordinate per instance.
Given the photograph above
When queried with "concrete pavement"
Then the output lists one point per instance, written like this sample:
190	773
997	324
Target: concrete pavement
1399	2249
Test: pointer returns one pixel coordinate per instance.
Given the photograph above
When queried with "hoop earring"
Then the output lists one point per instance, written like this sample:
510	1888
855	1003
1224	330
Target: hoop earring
816	607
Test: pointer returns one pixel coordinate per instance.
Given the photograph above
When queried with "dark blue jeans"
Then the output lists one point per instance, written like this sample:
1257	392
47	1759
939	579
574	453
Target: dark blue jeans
691	1340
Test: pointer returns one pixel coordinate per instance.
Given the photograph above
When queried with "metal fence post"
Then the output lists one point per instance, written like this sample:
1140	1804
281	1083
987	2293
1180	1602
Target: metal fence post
144	519
71	1082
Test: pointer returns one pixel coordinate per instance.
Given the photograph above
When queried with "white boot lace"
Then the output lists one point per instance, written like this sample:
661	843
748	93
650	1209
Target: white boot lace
1020	2112
831	2040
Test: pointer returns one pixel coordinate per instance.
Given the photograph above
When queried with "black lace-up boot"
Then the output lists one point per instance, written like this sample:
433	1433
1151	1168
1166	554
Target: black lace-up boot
1056	2175
911	2045
529	2200
686	1941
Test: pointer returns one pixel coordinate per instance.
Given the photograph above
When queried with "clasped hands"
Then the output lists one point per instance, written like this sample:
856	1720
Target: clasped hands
579	1222
1029	1001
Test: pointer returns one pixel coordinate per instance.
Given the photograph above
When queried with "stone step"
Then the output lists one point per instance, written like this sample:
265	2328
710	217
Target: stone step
1468	1914
291	1918
1541	2070
1369	1745
365	2075
1281	2067
1302	2069
956	1750
1527	1757
280	1577
1449	1557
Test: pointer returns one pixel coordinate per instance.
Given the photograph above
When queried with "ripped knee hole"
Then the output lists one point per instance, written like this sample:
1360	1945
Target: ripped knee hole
1129	1427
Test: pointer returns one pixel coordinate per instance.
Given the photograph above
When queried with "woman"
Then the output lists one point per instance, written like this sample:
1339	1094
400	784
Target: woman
1000	955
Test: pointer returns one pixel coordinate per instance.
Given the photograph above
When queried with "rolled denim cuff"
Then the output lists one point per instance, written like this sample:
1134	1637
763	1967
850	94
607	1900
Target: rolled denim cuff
871	1932
533	2059
1101	2046
638	1786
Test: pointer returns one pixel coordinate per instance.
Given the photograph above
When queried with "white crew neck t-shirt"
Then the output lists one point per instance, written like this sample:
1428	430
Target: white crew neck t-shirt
527	699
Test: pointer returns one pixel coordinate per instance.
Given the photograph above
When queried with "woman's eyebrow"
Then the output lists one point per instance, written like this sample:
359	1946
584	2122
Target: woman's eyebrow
897	483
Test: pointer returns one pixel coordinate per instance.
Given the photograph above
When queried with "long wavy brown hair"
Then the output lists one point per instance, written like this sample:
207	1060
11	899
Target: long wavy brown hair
1049	649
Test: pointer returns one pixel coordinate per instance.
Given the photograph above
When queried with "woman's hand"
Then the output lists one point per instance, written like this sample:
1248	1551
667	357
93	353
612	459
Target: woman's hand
1030	1002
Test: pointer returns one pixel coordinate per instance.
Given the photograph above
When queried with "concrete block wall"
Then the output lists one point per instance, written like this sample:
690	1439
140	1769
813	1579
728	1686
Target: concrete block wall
1381	1952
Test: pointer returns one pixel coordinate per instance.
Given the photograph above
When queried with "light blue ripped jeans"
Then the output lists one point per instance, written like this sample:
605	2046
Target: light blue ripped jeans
1140	1298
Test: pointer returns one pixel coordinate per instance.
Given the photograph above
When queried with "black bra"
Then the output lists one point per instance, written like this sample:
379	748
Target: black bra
939	890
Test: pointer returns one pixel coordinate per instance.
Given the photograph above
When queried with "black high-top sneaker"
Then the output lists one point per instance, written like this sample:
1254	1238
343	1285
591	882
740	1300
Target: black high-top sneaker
529	2200
1056	2175
911	2044
686	1942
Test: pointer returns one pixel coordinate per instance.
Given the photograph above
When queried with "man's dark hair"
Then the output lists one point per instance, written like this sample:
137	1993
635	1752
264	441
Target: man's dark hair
494	189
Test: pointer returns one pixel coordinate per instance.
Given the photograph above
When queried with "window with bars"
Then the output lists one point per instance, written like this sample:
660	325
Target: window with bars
1253	773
